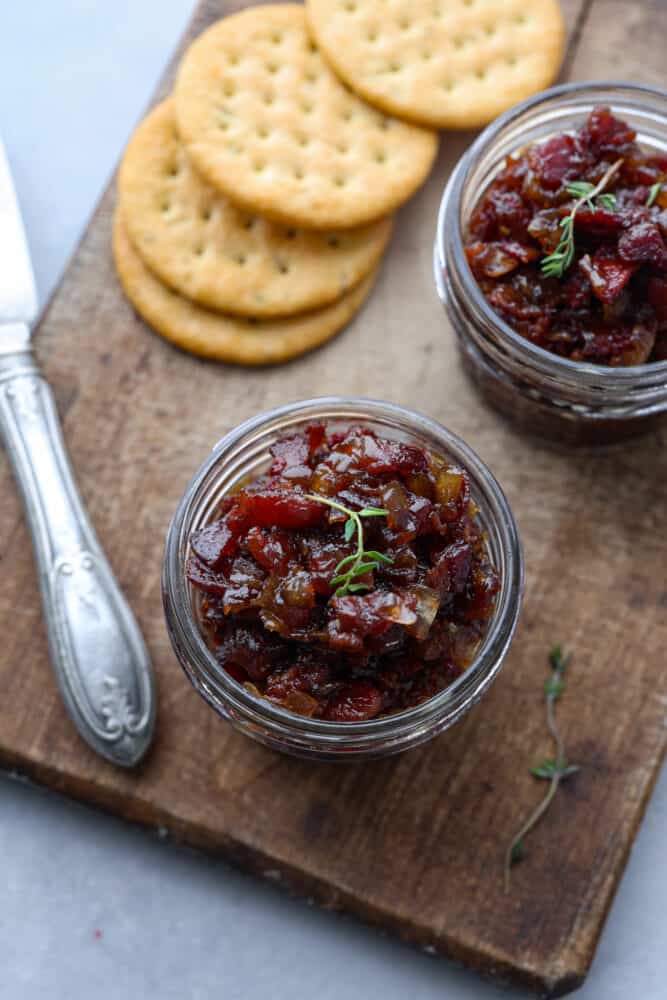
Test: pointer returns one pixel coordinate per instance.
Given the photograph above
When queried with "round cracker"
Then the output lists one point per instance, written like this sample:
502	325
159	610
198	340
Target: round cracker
266	121
226	338
442	63
199	243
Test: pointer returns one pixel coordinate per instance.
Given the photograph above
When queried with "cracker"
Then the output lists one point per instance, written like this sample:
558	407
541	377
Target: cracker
266	121
442	63
226	338
200	244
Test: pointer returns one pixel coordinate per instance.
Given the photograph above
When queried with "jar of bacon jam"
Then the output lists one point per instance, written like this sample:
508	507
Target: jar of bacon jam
342	578
551	261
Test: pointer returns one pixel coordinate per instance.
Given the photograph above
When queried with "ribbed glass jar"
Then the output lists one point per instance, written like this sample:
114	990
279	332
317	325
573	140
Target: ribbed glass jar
243	454
572	402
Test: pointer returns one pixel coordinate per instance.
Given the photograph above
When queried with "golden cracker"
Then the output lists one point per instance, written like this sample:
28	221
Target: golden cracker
226	338
197	242
441	63
266	121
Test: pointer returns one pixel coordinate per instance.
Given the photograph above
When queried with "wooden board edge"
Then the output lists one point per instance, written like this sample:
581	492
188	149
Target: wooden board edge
493	966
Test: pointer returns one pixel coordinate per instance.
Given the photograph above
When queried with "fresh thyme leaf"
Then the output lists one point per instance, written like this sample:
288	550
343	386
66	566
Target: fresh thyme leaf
558	660
544	770
607	201
552	769
557	263
517	853
653	193
549	767
580	189
554	688
380	556
360	562
363	567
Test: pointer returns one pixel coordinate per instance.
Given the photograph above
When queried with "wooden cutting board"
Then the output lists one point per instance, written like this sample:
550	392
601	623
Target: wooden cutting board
414	843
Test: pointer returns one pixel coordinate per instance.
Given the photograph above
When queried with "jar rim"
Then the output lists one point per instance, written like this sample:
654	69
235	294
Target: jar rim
186	634
548	364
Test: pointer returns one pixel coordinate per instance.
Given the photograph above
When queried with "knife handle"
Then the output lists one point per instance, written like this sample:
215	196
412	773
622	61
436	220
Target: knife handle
101	662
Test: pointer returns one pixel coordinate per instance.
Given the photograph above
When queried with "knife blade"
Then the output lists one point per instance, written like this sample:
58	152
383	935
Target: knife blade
100	660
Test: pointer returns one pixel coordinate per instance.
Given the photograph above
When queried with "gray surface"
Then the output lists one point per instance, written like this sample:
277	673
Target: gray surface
89	907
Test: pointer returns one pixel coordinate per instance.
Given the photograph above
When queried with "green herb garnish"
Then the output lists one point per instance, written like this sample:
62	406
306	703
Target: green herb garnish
557	263
552	769
363	560
653	193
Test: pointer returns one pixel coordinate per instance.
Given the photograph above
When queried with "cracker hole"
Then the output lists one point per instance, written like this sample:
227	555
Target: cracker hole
395	67
347	115
380	156
298	173
350	6
372	35
383	124
490	30
447	85
333	241
302	140
520	18
233	60
404	23
268	99
249	223
165	206
272	67
342	147
173	170
312	47
276	37
206	214
258	166
480	73
229	88
459	42
199	250
311	76
306	107
290	234
340	181
283	267
240	259
426	55
223	126
263	132
511	60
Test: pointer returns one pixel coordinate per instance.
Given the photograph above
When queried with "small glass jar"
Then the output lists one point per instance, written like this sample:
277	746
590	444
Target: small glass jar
573	402
244	454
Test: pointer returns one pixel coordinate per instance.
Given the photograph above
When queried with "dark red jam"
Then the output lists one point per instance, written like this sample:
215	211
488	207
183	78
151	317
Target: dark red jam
601	296
399	622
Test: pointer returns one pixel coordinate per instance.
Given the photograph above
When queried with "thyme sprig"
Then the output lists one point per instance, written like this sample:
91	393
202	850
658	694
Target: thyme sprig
557	263
362	561
552	769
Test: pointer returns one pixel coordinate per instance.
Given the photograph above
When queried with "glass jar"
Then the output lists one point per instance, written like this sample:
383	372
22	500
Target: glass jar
244	454
569	401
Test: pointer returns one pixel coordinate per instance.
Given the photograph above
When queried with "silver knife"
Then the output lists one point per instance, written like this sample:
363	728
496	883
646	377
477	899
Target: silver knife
100	659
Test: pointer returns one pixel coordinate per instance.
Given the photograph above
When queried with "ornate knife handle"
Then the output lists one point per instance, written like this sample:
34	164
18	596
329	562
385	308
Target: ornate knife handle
100	659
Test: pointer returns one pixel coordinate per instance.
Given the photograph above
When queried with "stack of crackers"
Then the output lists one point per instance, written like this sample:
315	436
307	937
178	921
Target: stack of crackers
255	203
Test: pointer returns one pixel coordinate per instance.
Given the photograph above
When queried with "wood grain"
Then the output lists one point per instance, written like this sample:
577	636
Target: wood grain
414	843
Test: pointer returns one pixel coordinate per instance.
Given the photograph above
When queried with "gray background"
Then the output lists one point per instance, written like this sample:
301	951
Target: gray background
88	906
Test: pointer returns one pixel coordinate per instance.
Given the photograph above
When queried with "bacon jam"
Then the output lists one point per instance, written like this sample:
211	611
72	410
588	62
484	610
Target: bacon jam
605	303
290	611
